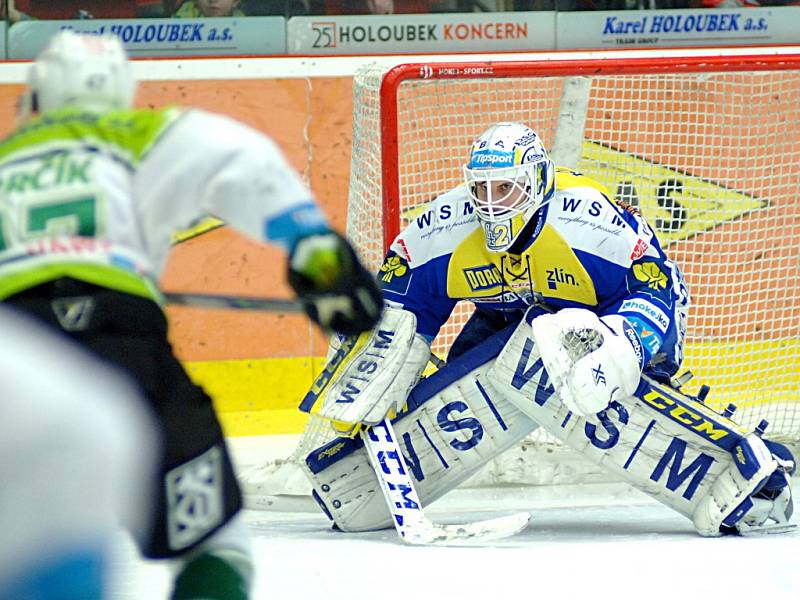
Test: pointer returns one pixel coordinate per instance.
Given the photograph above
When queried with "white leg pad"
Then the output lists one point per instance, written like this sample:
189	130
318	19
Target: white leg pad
666	444
457	422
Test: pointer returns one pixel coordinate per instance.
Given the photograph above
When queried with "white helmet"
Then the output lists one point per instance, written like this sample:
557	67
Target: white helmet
91	72
509	177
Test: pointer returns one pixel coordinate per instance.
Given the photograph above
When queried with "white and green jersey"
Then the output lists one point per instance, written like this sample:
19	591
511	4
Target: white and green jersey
98	197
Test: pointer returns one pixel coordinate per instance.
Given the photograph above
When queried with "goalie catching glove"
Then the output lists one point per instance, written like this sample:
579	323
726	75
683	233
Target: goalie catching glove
591	360
336	291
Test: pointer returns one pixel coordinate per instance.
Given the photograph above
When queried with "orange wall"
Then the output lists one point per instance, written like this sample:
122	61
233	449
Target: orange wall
223	261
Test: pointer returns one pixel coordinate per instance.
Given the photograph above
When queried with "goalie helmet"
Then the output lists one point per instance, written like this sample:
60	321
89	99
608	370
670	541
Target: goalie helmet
509	177
91	72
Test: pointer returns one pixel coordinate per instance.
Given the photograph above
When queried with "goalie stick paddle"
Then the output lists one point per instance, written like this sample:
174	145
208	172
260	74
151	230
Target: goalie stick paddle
215	301
412	525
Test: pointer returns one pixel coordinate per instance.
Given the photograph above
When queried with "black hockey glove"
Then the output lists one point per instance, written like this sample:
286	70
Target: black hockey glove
337	292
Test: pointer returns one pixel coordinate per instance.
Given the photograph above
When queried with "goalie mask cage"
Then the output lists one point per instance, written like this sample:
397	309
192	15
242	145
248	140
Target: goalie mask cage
706	146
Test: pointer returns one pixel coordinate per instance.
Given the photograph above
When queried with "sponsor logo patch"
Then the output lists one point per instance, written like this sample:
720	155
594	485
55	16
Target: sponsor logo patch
492	158
650	339
404	249
599	376
633	338
395	274
684	415
651	311
484	277
651	274
639	249
74	313
195	504
558	276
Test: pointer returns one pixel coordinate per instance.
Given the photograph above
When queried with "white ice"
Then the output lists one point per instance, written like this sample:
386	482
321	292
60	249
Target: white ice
584	541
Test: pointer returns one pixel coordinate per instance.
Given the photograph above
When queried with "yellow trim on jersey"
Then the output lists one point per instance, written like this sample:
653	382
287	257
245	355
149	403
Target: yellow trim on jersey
204	226
567	178
474	272
102	275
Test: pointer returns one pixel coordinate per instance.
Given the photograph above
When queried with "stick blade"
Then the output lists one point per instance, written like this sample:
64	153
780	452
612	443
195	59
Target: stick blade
468	534
746	531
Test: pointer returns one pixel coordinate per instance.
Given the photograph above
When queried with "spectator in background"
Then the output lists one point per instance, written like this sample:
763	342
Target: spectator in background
14	15
86	9
209	8
369	7
283	8
380	7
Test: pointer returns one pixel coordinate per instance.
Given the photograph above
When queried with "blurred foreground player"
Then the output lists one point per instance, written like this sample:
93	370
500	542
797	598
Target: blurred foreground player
91	193
76	458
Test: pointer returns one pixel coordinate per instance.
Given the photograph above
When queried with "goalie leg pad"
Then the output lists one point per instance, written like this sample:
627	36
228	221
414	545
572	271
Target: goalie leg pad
664	443
456	423
729	499
371	374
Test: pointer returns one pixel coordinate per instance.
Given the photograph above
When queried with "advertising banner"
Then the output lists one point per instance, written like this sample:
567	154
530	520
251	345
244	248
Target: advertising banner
163	37
399	34
712	27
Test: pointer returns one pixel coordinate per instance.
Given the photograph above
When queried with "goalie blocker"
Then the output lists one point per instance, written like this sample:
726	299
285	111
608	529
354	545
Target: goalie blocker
667	444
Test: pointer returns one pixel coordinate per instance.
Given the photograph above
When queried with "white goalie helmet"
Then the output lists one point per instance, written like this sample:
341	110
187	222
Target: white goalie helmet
91	72
509	177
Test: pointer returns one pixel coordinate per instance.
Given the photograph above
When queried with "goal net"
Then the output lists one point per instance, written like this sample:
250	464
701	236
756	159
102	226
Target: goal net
707	147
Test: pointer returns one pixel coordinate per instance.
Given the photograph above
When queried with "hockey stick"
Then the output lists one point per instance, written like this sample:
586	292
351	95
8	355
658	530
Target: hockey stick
215	301
411	524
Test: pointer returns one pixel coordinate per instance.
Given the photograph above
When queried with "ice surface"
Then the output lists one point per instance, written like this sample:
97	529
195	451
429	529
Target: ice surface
585	541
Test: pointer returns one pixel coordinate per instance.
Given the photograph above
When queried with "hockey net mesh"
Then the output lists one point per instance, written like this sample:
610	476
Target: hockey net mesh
712	159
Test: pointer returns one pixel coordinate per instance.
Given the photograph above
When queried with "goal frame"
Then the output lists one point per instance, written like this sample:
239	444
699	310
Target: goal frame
381	133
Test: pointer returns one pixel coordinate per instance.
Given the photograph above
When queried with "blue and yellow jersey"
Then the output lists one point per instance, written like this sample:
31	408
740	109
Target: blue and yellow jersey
584	251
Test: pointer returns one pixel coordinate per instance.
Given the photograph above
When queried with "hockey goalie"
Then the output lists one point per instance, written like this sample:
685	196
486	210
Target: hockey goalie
578	328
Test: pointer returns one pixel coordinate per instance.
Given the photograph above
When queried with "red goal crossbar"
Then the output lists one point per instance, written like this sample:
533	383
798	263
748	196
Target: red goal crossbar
645	65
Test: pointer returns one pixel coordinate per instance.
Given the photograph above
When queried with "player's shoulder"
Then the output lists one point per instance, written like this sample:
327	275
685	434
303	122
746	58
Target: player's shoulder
580	201
436	228
570	179
124	133
586	215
